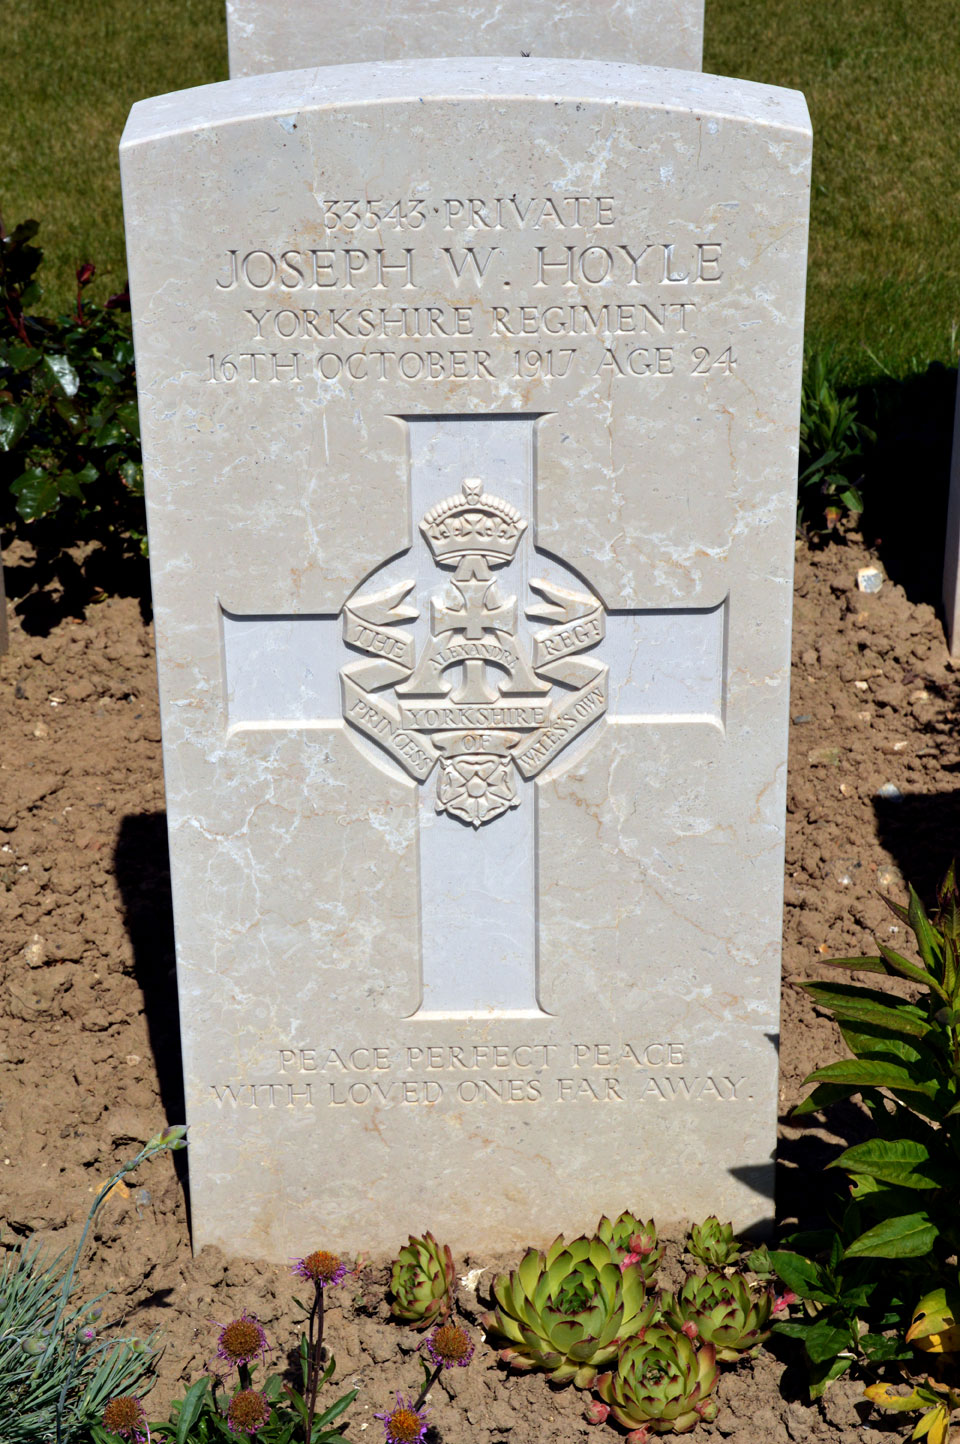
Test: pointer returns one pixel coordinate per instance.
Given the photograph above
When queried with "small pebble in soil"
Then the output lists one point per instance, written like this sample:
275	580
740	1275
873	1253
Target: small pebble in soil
889	792
869	579
844	870
800	718
890	879
824	757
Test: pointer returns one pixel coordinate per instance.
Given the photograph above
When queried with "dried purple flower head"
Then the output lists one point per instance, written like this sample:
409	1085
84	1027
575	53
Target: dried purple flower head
321	1268
241	1340
450	1347
248	1412
124	1415
405	1424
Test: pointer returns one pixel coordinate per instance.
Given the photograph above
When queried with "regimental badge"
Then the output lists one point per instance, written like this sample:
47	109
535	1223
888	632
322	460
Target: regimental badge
475	702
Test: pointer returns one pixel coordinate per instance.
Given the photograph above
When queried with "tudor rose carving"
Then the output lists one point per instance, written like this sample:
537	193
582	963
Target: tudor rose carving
486	727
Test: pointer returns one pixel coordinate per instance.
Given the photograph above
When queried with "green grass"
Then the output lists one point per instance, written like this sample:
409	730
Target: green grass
881	79
69	73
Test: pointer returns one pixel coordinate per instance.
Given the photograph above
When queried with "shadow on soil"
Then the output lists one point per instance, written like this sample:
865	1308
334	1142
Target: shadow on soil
923	833
51	576
906	479
142	870
807	1188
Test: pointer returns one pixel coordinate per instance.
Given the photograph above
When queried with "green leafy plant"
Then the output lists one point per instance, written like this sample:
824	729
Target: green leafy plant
832	440
850	1308
934	1329
422	1282
56	1375
895	1238
938	1402
69	427
566	1311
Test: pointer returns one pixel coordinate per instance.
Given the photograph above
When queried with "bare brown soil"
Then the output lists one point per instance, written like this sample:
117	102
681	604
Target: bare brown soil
88	1033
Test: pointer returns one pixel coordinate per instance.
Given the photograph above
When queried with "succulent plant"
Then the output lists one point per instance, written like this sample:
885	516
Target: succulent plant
759	1262
713	1243
422	1282
662	1384
633	1241
725	1311
568	1310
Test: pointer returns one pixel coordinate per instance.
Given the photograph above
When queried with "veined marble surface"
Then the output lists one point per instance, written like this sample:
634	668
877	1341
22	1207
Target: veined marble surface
269	35
490	354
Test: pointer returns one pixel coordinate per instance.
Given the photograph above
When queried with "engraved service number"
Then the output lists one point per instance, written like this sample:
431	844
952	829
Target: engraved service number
372	213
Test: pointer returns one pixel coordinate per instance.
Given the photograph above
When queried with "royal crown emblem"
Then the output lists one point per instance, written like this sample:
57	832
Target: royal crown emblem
452	707
473	525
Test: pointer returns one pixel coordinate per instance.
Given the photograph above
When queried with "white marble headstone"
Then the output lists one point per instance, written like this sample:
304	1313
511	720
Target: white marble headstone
268	35
469	395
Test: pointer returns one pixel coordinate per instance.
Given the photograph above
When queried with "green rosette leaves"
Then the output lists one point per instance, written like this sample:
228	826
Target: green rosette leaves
422	1282
632	1238
713	1243
662	1384
724	1311
568	1310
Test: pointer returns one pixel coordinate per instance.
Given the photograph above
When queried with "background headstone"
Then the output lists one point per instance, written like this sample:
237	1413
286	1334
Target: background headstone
269	35
951	554
469	396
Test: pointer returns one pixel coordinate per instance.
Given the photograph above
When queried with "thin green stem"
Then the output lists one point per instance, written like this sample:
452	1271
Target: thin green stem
427	1387
71	1272
316	1317
61	1401
169	1138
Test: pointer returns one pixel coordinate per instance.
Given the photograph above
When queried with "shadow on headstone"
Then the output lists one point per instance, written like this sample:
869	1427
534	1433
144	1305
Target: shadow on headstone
923	833
907	475
142	870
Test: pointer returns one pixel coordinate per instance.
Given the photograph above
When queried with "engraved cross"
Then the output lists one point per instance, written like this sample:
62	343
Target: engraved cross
477	885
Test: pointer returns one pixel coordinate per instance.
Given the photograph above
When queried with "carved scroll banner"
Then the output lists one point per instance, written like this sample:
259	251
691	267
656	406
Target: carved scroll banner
485	727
